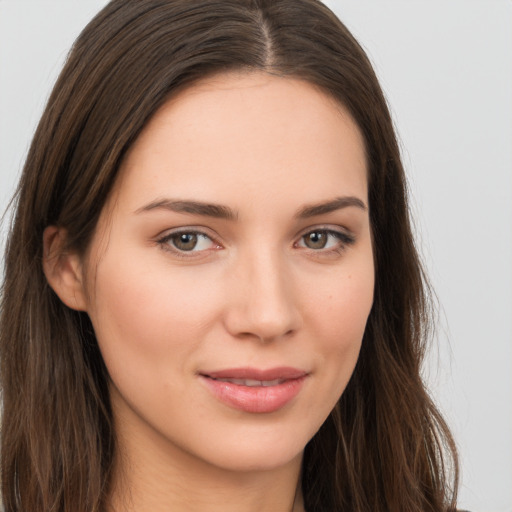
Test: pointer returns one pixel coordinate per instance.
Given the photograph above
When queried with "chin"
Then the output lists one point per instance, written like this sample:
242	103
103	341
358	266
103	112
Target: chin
263	459
250	451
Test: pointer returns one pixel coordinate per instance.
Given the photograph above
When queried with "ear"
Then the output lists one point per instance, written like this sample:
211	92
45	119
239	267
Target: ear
63	270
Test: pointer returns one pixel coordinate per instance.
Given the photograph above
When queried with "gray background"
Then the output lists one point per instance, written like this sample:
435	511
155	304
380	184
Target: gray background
446	67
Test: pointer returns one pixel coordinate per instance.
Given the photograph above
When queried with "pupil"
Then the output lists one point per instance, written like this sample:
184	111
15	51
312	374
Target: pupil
185	241
316	240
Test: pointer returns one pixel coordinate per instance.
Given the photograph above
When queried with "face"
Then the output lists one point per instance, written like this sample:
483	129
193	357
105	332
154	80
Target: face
231	274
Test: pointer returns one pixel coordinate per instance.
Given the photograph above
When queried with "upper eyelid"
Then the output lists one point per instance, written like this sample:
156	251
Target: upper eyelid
209	232
197	230
329	228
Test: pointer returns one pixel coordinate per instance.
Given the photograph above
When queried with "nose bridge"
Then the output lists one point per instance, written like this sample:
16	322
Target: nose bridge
263	304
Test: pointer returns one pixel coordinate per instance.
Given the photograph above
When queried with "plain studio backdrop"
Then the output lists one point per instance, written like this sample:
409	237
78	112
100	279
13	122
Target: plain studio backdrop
446	68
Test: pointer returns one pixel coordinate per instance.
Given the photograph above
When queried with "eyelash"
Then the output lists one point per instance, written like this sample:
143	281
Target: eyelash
344	241
166	242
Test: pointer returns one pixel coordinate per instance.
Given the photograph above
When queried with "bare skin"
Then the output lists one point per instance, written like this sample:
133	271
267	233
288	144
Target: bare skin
237	236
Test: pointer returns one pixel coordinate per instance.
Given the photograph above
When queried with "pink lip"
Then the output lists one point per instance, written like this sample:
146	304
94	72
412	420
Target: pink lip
256	399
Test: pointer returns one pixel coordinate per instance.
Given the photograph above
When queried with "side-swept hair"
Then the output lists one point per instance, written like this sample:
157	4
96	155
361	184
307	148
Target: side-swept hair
384	446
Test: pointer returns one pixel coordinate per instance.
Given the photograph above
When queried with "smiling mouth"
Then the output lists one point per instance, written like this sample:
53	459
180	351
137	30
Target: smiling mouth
255	391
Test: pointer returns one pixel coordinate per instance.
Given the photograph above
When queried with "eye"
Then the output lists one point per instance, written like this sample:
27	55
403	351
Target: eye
187	241
325	239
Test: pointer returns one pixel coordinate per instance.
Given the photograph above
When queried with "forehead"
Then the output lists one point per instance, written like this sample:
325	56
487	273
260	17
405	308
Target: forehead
236	137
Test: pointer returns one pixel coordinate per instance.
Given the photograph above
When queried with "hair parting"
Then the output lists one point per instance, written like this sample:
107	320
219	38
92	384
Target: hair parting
385	446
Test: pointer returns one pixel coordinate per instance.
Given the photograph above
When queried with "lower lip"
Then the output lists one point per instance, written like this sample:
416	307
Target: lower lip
255	399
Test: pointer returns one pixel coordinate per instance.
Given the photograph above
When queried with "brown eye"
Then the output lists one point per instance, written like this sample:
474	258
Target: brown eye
316	239
193	242
184	241
325	240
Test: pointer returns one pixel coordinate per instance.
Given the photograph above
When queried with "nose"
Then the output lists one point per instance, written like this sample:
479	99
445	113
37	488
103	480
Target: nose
262	299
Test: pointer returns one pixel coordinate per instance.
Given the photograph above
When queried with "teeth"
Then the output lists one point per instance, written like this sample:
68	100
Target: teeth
252	382
271	382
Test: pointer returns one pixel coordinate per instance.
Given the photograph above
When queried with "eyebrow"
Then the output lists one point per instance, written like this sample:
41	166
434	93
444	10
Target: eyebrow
194	207
224	212
330	206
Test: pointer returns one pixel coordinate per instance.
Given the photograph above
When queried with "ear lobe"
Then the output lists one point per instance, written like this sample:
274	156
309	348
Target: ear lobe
63	270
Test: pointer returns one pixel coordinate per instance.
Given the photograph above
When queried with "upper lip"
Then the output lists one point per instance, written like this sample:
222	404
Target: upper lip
281	373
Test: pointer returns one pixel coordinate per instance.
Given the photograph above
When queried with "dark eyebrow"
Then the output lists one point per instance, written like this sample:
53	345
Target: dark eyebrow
330	206
223	212
193	207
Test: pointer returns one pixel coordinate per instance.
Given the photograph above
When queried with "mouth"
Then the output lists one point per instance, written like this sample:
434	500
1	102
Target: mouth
255	391
252	383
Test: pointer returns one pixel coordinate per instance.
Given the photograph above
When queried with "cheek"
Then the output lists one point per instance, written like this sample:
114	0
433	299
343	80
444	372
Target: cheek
343	304
148	315
339	312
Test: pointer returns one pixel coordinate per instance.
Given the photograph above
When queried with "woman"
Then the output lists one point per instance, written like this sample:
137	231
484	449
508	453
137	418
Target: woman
212	299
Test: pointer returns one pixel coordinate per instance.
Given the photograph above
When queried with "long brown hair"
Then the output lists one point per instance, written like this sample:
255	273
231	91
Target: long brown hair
384	446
